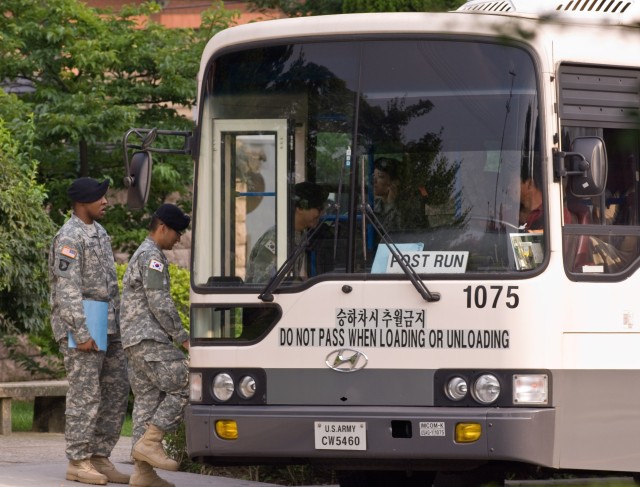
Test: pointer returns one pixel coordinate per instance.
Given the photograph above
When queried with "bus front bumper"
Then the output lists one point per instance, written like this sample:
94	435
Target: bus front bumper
385	435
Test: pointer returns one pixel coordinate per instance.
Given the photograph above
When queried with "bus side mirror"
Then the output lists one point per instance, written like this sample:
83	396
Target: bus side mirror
594	179
138	181
587	166
138	169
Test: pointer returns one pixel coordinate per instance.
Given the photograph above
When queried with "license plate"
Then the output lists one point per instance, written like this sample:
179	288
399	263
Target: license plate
338	435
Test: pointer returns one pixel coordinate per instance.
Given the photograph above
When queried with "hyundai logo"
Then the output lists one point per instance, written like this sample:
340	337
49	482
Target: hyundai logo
346	360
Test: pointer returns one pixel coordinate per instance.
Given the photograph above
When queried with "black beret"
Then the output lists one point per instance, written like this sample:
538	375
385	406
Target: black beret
87	190
388	165
173	217
309	195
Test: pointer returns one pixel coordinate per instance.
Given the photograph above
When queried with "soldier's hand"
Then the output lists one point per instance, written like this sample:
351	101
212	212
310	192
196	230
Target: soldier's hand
185	344
88	346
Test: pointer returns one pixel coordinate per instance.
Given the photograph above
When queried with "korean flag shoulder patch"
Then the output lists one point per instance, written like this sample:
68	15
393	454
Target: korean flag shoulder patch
156	265
271	246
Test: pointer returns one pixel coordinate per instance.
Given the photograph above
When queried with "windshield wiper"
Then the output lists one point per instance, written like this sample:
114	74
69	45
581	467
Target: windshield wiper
410	272
267	294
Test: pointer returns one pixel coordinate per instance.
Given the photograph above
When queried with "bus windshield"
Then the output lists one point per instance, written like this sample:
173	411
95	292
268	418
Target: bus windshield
298	140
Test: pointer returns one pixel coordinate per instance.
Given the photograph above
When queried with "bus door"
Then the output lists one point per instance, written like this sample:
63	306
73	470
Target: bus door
251	157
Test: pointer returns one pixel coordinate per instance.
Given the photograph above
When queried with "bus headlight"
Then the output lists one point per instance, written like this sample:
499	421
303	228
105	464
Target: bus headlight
531	389
486	389
456	388
195	387
223	387
247	387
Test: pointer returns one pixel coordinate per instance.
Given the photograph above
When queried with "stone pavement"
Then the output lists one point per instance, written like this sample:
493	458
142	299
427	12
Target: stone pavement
38	460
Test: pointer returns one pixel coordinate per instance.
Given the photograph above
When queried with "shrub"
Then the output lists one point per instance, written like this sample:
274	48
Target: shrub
25	234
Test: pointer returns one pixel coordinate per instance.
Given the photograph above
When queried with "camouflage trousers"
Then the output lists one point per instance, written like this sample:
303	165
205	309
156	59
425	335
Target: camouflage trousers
159	377
96	400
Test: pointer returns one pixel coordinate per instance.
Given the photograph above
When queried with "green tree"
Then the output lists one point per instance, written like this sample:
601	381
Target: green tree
353	6
95	74
301	8
25	230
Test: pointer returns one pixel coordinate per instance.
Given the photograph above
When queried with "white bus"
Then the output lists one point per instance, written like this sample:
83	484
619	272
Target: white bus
480	317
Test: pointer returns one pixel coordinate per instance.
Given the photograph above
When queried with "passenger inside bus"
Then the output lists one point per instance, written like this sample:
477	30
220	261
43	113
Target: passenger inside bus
532	218
386	184
309	199
619	194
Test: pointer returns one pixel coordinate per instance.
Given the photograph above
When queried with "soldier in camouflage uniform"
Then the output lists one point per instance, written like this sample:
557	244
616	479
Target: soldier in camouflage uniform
81	267
309	200
386	181
158	370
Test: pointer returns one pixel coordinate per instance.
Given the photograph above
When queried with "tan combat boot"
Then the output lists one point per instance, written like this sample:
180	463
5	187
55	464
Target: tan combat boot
105	467
149	449
83	471
145	476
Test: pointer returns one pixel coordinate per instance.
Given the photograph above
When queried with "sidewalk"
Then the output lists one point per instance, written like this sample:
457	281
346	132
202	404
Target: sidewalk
37	460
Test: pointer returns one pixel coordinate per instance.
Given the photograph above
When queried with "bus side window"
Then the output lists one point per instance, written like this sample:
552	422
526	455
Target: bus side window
619	206
611	244
580	245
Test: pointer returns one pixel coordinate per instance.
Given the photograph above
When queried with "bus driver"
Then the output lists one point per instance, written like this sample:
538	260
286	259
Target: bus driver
309	200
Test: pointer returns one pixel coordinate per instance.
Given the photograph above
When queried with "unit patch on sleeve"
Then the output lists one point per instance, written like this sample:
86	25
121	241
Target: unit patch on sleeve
271	246
156	265
69	252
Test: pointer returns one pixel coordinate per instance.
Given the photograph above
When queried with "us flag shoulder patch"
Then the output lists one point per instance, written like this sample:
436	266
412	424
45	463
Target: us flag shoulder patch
69	252
156	265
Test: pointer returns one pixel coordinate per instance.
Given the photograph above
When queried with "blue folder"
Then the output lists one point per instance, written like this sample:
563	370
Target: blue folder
97	313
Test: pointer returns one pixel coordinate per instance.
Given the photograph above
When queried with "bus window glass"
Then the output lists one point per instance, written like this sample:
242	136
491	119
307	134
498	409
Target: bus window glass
255	194
602	236
454	124
209	323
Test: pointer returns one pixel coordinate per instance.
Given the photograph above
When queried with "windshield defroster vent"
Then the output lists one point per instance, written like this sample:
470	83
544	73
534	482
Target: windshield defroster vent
488	7
548	7
607	6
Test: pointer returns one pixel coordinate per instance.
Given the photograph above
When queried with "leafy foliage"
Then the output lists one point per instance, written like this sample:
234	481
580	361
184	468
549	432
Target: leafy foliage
25	233
301	8
352	6
92	75
88	76
180	280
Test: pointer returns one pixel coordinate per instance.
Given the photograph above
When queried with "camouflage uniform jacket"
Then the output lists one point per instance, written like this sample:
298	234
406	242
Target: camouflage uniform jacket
388	215
148	311
262	261
81	266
